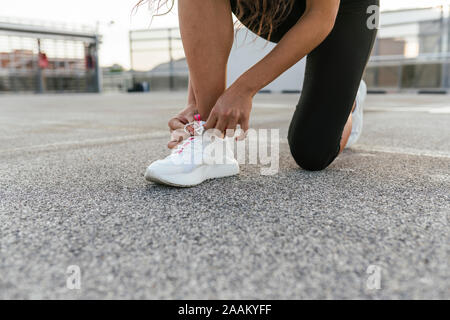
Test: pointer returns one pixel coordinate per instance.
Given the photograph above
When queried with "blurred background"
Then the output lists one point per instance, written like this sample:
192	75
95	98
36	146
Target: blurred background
51	46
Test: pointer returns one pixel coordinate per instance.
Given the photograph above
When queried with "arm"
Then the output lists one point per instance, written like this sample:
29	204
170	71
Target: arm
234	106
310	31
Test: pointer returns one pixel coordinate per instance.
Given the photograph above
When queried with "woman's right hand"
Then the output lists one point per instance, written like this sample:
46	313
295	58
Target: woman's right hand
177	123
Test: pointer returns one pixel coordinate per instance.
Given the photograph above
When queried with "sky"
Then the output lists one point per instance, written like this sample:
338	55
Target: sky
101	14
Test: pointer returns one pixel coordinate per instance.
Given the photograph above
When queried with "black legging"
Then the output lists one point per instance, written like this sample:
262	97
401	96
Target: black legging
332	77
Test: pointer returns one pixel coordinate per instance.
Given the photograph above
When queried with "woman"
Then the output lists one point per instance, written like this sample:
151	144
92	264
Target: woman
335	37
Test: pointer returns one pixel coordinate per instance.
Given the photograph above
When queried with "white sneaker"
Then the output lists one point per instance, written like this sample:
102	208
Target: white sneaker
357	115
191	162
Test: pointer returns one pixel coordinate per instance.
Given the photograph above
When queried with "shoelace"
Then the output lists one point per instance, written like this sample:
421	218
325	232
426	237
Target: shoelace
196	125
198	130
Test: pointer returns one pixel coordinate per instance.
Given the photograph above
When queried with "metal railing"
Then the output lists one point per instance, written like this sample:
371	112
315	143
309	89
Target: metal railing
157	57
42	58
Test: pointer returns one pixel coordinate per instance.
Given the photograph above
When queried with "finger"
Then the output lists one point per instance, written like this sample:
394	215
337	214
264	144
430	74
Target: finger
231	127
173	143
244	124
176	123
221	124
211	122
176	137
243	130
189	118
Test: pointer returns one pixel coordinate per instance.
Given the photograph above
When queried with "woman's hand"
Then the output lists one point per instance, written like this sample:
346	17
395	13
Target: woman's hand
232	108
177	123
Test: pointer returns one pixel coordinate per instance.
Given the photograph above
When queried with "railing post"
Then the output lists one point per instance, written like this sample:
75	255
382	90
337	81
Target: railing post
39	73
98	70
444	30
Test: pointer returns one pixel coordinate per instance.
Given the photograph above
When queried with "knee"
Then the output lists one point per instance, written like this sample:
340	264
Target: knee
311	156
311	162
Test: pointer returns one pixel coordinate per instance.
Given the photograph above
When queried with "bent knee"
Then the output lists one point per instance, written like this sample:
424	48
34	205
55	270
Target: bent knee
311	162
312	157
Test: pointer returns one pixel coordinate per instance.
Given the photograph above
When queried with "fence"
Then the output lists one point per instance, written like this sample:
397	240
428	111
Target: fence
157	57
42	58
411	51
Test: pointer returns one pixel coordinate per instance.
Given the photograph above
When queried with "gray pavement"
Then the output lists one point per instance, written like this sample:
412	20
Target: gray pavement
72	193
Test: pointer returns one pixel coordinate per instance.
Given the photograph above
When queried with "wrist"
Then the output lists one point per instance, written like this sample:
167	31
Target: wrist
245	86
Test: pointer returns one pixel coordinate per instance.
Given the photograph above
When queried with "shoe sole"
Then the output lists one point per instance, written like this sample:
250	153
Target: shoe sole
359	114
196	177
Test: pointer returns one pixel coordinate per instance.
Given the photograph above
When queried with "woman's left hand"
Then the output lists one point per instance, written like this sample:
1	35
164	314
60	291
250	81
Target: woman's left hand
232	108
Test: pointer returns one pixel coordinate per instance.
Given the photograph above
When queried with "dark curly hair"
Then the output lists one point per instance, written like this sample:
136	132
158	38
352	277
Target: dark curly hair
260	16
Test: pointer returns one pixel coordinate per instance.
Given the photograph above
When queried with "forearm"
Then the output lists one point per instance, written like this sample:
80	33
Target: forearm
191	101
305	36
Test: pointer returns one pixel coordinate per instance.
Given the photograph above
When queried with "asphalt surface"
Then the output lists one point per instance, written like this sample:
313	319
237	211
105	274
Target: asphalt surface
72	193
